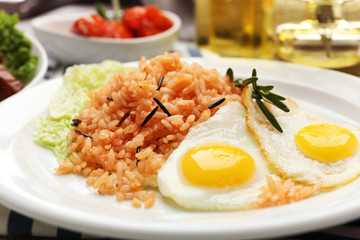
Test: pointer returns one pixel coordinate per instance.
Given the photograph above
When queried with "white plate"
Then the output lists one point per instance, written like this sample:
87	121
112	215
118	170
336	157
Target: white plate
54	32
27	183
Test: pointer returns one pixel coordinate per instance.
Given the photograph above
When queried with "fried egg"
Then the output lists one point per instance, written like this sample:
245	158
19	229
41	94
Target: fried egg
311	149
218	166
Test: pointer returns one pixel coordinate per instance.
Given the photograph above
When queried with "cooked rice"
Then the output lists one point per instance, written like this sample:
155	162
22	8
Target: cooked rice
276	193
108	159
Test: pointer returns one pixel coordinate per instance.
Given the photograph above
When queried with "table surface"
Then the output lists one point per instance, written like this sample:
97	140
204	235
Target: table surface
16	226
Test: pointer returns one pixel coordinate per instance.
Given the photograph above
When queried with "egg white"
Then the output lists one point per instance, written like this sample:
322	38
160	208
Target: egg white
227	126
281	151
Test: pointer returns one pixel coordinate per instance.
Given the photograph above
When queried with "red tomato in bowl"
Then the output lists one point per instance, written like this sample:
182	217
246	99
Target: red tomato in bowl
154	15
146	21
97	26
134	16
137	21
93	26
119	30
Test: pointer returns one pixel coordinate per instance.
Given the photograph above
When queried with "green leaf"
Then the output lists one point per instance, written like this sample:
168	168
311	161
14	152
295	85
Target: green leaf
274	99
16	49
248	81
256	95
239	85
27	70
230	73
275	96
265	89
101	10
260	93
254	72
269	115
278	104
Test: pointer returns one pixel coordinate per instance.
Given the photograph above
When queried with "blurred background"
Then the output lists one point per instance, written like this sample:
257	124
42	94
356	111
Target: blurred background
323	33
31	8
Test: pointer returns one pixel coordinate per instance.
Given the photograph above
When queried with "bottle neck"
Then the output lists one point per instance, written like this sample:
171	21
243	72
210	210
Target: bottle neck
325	11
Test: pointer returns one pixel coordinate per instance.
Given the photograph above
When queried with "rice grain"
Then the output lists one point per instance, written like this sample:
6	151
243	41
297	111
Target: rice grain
109	159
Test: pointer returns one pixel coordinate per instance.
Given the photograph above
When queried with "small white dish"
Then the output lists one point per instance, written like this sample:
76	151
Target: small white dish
54	31
28	185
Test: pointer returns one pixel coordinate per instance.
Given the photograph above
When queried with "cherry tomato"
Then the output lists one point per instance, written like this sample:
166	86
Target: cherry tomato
148	31
146	21
119	30
154	15
137	21
134	16
96	26
93	26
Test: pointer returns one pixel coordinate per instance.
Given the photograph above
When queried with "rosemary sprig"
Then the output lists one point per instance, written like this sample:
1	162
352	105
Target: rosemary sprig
101	10
261	93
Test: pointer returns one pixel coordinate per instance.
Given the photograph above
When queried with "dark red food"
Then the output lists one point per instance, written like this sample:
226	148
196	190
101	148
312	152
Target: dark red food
119	30
137	21
97	26
90	26
9	85
134	16
146	21
160	21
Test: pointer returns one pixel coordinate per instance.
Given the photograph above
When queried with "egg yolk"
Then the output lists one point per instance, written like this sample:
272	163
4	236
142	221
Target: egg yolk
326	143
217	165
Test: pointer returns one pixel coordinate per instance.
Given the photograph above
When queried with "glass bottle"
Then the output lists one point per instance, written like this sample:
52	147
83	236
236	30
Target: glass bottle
235	28
202	21
324	39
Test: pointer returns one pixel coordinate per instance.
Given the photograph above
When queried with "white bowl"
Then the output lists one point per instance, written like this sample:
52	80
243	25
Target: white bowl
38	50
61	44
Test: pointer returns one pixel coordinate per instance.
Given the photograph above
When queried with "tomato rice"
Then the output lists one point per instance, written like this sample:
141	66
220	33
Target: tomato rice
124	160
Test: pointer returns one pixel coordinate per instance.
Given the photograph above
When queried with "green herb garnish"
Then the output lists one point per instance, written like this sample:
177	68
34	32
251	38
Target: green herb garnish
260	94
101	10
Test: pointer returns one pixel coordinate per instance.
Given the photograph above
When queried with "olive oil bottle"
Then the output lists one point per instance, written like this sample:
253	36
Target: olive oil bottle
324	39
202	21
236	28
